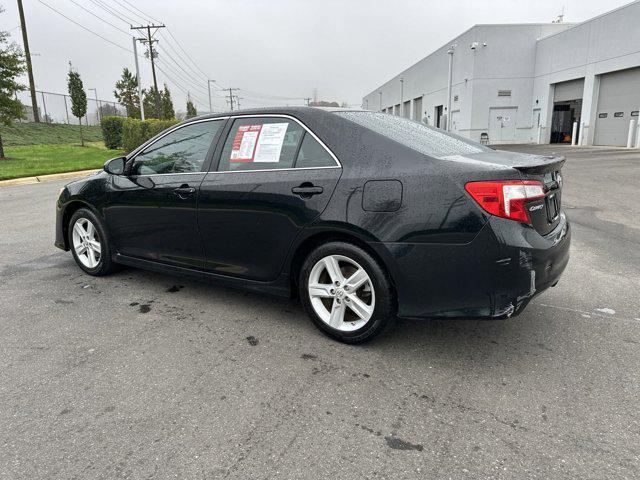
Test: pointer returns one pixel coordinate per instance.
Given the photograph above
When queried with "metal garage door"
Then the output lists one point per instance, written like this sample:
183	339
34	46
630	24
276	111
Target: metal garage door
417	109
406	109
619	96
570	90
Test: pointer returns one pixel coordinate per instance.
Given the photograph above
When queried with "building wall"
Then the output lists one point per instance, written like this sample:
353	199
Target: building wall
528	60
607	43
506	62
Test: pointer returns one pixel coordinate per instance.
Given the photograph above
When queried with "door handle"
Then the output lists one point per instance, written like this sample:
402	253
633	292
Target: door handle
307	190
184	191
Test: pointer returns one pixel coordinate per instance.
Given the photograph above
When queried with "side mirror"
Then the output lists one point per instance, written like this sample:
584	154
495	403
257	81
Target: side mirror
115	166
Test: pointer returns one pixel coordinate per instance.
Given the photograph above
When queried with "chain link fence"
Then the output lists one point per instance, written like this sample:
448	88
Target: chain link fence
56	108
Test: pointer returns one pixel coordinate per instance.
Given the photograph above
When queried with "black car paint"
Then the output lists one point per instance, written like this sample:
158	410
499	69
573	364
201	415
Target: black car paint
445	255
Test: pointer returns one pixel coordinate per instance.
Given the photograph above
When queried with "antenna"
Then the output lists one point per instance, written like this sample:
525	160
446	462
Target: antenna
560	18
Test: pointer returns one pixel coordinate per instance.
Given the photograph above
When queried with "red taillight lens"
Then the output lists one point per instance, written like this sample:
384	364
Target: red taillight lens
506	198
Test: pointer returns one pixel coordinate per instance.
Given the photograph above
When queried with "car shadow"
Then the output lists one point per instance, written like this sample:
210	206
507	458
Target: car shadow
463	341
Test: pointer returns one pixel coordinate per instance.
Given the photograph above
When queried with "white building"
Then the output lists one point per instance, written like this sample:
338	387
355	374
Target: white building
528	82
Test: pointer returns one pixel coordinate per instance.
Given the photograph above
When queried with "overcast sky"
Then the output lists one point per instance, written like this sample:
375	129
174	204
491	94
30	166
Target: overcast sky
268	48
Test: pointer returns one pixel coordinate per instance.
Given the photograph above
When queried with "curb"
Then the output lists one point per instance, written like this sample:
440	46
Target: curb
45	178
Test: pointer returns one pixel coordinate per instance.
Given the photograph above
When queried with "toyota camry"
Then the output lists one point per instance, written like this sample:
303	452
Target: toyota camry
364	216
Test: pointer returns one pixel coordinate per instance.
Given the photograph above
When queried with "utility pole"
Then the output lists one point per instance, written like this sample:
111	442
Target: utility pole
231	96
135	56
308	99
380	92
149	41
27	54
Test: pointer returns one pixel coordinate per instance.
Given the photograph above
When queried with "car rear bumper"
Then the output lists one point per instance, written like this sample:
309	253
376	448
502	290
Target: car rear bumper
494	276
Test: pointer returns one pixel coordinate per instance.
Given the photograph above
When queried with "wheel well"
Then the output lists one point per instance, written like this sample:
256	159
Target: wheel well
69	210
306	247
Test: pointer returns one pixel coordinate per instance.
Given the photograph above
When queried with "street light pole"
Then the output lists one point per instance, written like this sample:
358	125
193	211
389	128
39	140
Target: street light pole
450	53
209	89
402	97
135	56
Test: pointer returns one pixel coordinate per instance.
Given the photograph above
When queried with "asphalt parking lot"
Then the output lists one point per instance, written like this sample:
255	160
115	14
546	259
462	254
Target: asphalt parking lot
140	375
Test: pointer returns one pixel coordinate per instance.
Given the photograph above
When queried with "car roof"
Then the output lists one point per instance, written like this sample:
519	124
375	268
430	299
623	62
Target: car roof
293	111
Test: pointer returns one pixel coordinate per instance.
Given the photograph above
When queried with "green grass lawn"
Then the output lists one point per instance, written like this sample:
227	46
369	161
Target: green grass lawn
44	134
32	160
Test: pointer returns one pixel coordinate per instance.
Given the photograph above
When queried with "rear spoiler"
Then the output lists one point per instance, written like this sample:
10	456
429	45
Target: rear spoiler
548	163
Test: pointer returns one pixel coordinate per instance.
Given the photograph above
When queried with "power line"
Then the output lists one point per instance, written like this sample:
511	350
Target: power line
145	16
183	65
143	13
176	84
98	17
180	75
109	10
186	53
122	5
85	28
178	54
180	87
183	71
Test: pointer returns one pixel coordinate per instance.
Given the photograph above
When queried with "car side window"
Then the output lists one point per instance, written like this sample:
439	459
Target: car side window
261	143
313	155
182	151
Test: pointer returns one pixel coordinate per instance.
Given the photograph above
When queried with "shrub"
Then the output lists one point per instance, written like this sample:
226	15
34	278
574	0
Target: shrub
136	132
112	131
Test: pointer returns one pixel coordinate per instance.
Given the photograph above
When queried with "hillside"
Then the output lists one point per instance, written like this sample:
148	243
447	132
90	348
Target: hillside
20	134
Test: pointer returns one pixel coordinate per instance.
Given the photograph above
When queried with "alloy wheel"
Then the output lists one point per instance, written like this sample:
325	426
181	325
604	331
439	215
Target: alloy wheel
86	242
341	293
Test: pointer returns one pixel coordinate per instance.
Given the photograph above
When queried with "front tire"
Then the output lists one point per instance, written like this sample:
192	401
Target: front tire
89	243
346	292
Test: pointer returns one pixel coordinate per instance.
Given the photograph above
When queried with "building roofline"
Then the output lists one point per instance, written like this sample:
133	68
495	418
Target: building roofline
454	39
574	25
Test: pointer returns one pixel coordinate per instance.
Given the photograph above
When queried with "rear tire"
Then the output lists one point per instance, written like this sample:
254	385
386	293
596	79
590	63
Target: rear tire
351	298
89	244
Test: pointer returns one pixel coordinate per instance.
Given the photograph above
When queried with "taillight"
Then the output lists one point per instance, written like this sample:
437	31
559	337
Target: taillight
506	198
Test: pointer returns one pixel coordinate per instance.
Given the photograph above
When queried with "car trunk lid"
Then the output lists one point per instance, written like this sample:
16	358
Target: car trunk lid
544	213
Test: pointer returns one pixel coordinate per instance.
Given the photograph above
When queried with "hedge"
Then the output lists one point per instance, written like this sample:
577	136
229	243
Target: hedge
112	131
135	132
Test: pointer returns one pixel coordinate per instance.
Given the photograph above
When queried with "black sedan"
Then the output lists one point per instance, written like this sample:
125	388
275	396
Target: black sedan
365	216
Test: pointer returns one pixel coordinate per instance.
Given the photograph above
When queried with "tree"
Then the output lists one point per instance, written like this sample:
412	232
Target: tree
126	93
151	99
323	103
167	104
78	98
12	66
191	109
108	110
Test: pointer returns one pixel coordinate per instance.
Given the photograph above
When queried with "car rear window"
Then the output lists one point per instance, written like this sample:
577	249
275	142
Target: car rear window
418	136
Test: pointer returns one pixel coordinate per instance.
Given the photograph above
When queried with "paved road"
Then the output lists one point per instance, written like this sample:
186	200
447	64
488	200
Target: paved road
140	375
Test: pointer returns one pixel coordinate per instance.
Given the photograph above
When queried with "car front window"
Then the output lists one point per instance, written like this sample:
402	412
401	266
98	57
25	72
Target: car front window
182	151
418	136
